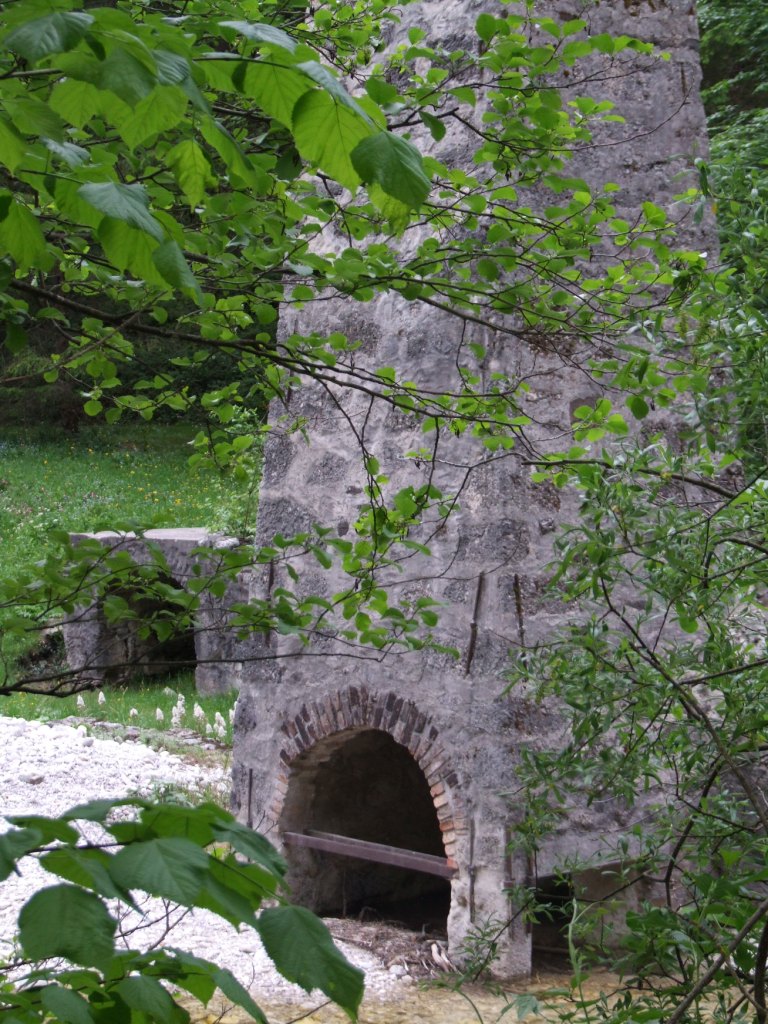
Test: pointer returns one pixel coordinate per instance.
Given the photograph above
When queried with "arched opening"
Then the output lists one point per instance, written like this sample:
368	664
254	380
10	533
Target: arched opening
145	631
364	785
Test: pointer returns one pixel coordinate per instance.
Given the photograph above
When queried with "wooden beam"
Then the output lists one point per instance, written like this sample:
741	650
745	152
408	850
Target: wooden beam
428	863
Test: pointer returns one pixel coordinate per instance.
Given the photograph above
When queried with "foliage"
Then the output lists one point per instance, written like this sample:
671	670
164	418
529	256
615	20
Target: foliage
734	50
151	162
167	178
149	704
194	857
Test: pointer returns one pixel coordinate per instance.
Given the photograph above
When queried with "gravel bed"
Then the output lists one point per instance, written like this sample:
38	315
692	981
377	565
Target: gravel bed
48	768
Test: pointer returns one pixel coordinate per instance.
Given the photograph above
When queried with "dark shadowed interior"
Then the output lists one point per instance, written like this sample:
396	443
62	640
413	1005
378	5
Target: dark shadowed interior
364	785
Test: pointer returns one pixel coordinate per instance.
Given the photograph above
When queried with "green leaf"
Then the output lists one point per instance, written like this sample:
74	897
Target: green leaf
16	844
87	868
32	117
66	1005
276	89
128	203
326	133
262	33
148	996
22	238
232	989
170	261
68	922
50	829
317	73
638	407
130	250
380	90
173	868
55	33
191	169
12	145
252	845
302	950
71	154
77	102
126	76
395	165
485	27
158	112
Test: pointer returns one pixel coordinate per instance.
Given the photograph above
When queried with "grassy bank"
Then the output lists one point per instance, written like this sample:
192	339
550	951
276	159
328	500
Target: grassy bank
120	477
153	704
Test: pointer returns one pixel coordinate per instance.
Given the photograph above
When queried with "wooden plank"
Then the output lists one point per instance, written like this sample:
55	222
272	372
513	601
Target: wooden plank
327	842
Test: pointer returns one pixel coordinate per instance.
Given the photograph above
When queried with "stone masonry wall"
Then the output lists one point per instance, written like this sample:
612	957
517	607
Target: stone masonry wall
489	561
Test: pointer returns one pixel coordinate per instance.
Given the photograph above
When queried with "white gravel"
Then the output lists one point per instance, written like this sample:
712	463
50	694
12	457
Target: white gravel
48	768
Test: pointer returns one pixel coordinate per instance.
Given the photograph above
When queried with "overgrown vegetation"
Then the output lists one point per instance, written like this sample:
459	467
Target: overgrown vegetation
170	181
150	705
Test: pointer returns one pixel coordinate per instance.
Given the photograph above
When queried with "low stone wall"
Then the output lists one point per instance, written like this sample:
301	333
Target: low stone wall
100	651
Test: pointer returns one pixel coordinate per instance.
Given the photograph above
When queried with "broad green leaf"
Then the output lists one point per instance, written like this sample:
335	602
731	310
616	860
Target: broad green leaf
302	950
68	922
262	33
128	203
71	154
173	868
317	73
22	238
191	169
130	250
32	117
14	845
87	868
232	989
54	33
235	160
172	68
66	1005
158	112
12	145
170	261
126	76
395	165
148	996
252	845
326	133
380	90
50	829
276	89
98	810
77	102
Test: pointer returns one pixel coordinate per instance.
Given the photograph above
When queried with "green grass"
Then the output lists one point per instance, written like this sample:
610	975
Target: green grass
145	697
125	476
105	476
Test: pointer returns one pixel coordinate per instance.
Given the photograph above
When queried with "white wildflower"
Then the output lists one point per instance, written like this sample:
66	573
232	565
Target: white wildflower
159	715
198	714
102	698
80	702
232	716
221	732
168	692
176	714
208	729
219	722
133	713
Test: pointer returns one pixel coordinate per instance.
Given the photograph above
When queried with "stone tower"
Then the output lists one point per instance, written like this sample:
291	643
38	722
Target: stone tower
417	751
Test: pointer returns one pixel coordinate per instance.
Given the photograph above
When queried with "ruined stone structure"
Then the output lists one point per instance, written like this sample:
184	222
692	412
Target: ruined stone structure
101	651
418	751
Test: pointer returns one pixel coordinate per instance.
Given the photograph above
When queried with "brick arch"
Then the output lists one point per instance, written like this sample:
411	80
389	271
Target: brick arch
355	709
